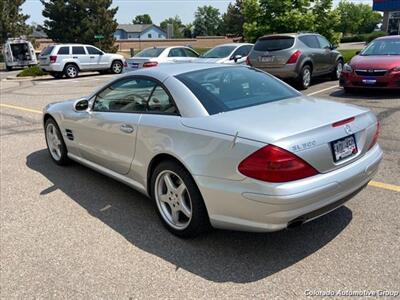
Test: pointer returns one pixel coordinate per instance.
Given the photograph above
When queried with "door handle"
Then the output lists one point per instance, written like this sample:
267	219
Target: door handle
126	128
92	57
75	57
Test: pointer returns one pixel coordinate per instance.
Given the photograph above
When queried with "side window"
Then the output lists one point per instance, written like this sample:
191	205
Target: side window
176	52
63	51
126	95
190	53
93	51
243	51
323	42
161	102
77	50
310	41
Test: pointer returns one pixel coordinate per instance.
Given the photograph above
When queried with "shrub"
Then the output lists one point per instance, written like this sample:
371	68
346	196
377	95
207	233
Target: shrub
32	71
348	54
367	37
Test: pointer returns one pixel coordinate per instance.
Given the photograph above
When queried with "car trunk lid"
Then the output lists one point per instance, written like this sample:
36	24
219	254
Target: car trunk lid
301	125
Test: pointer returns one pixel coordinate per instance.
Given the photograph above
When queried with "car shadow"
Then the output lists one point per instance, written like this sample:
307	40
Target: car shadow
218	256
367	94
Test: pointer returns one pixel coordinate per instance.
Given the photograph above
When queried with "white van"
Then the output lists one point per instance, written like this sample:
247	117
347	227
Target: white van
18	53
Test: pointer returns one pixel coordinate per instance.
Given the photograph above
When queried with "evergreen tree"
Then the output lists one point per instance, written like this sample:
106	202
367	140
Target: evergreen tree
12	21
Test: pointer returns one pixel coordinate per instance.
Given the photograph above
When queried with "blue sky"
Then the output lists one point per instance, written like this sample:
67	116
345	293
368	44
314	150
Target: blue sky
157	9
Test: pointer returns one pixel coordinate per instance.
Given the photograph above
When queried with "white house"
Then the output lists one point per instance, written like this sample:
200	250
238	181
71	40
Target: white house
139	31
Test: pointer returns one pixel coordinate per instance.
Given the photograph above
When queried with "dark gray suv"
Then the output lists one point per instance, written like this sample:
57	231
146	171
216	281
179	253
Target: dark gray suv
298	56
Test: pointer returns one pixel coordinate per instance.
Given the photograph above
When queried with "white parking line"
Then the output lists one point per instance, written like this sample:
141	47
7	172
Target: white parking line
323	90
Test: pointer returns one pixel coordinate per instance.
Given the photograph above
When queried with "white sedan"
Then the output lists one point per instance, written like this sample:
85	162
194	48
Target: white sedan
233	53
154	56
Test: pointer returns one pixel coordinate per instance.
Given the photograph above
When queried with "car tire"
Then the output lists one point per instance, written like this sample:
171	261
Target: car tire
338	69
178	201
348	90
304	79
9	68
71	71
55	143
117	67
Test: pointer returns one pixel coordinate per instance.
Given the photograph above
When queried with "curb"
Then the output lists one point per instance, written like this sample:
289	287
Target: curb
25	78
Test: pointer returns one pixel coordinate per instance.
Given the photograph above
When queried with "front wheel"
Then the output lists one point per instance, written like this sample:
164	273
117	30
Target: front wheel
304	79
179	203
55	142
117	67
337	71
9	68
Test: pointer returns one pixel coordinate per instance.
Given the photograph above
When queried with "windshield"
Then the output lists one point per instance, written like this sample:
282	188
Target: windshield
219	52
382	47
150	52
229	88
274	43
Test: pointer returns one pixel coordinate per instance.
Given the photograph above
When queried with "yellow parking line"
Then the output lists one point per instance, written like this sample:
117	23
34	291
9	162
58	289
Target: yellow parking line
385	186
21	108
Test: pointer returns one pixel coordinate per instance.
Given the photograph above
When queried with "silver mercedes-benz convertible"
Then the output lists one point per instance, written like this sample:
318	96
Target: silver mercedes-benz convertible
219	146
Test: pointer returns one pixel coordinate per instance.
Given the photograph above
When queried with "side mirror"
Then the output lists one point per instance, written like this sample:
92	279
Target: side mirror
81	104
237	57
334	47
101	53
358	52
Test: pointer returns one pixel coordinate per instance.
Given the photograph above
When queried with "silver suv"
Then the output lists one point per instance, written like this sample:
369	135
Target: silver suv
298	56
70	59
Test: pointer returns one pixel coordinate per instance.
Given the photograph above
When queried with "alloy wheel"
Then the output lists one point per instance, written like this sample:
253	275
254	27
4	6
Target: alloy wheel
117	67
306	77
339	69
53	141
173	200
71	72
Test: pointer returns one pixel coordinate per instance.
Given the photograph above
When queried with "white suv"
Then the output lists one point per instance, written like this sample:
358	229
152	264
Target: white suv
70	59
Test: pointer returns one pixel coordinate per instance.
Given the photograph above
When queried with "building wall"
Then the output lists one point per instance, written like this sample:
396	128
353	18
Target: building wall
153	33
126	45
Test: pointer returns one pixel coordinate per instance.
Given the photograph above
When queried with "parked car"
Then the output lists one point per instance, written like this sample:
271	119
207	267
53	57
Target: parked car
71	59
377	66
299	57
234	53
154	56
18	53
225	145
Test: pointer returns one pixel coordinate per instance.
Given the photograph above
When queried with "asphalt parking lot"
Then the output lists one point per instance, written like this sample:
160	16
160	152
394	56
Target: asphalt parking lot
71	232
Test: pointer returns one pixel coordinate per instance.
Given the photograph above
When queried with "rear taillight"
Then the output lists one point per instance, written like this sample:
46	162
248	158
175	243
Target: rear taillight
274	164
125	64
248	62
53	59
295	56
150	64
376	135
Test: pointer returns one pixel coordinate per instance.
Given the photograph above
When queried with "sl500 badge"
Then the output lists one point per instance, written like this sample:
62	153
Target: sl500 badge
304	146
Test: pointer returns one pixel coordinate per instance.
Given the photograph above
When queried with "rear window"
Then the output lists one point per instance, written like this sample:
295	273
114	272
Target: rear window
150	52
219	52
63	51
229	88
47	50
274	43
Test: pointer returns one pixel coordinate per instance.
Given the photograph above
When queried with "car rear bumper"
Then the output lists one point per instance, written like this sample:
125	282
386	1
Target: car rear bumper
253	205
56	67
285	71
352	80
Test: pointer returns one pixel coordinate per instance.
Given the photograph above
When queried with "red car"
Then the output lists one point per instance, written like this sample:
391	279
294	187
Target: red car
376	66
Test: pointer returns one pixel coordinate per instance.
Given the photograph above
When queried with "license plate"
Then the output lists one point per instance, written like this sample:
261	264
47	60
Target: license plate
344	148
134	65
267	59
369	81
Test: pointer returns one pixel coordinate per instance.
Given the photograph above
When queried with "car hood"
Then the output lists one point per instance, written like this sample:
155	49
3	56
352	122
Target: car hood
276	121
375	62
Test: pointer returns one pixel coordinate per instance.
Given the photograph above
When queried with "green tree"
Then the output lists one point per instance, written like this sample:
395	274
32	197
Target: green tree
356	18
177	25
233	19
78	21
142	19
207	21
12	20
326	20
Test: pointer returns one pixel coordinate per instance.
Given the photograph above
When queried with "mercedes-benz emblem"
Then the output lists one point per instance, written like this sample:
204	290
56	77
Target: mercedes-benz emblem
347	128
